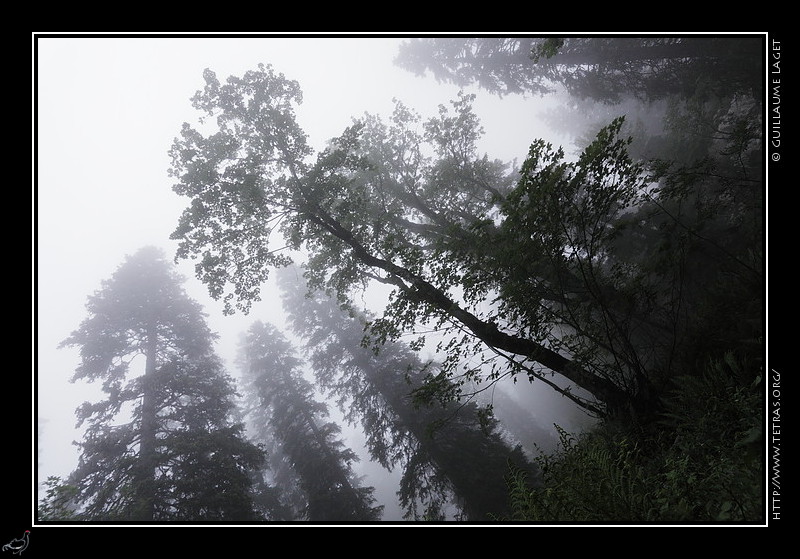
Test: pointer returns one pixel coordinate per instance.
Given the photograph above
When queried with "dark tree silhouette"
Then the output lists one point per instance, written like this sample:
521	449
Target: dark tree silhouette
399	219
524	273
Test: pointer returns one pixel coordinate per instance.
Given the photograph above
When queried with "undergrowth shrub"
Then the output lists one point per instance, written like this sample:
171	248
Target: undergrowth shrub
702	461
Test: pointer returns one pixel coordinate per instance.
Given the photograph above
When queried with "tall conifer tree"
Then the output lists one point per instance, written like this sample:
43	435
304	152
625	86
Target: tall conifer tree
163	445
445	451
283	409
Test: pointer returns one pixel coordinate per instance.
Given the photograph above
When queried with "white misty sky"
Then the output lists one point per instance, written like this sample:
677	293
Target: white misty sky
107	110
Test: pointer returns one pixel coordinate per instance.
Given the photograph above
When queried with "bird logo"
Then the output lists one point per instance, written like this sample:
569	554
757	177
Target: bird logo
18	545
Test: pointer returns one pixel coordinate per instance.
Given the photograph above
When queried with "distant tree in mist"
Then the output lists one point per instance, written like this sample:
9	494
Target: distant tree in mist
164	444
606	69
442	449
282	409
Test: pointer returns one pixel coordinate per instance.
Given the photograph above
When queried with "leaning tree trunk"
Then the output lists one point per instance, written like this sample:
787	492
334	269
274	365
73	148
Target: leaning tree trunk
415	286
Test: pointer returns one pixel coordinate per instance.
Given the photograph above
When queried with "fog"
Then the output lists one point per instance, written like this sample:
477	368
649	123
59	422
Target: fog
107	110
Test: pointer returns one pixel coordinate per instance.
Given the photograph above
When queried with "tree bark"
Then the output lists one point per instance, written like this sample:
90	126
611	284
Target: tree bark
147	441
602	389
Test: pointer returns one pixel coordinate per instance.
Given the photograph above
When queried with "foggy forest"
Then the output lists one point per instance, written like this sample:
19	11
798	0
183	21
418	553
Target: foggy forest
382	321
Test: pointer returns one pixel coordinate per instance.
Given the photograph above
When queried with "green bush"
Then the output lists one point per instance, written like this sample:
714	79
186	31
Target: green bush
701	462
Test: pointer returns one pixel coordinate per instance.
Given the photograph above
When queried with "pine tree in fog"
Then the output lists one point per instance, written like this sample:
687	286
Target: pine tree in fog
282	408
607	69
163	445
443	450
